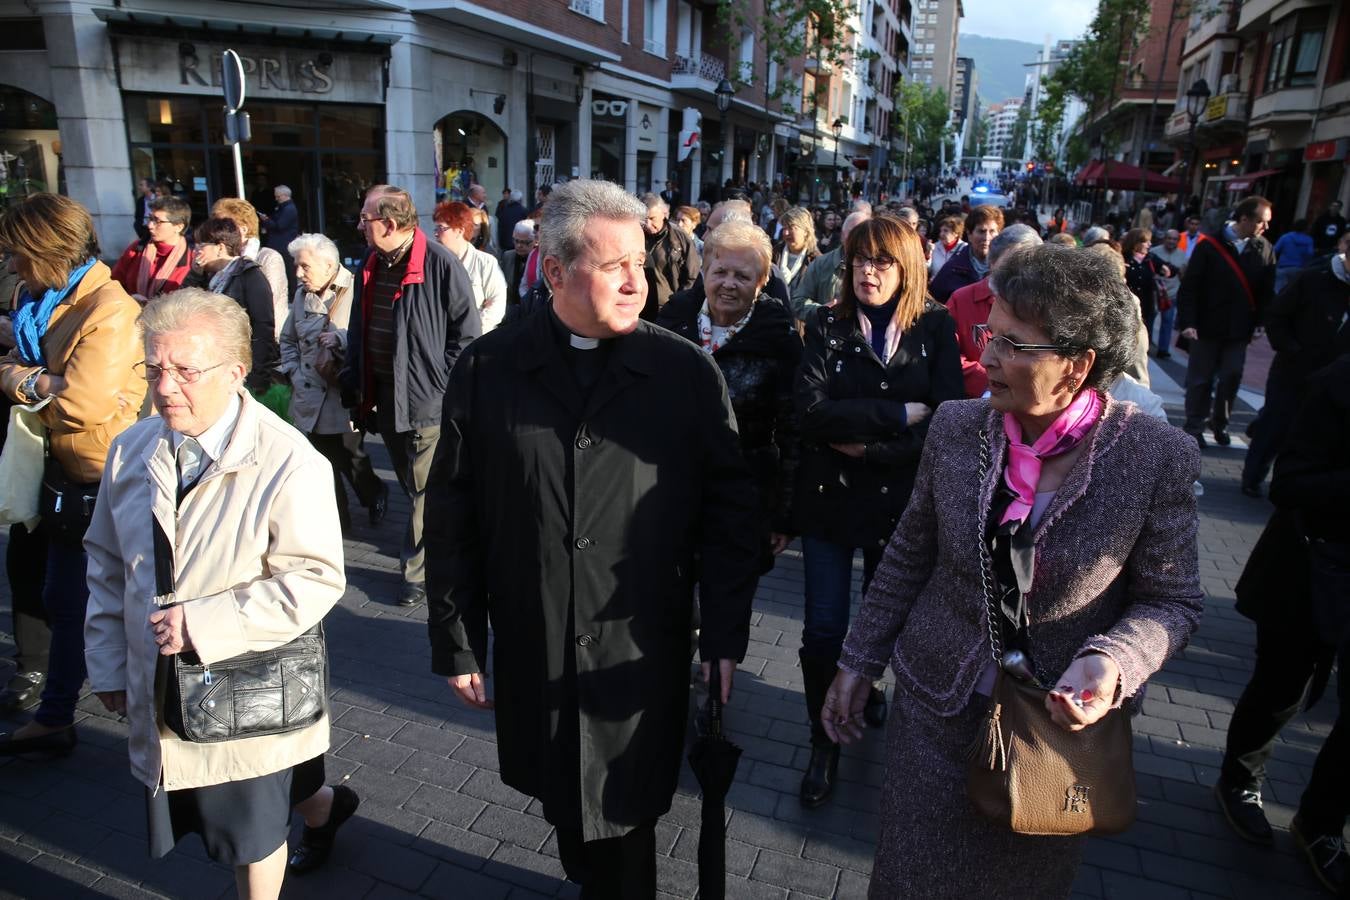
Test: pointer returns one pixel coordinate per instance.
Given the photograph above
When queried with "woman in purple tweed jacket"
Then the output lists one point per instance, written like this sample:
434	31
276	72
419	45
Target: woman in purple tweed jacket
1088	507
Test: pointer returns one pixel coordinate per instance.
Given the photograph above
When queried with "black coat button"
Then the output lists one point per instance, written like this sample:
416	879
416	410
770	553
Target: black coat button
583	443
583	543
585	640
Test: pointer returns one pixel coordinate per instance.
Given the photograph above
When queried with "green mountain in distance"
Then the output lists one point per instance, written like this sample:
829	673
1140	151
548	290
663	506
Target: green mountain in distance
998	64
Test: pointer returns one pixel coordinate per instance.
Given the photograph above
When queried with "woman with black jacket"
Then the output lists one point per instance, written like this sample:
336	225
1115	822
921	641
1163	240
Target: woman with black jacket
875	366
754	341
1142	272
217	255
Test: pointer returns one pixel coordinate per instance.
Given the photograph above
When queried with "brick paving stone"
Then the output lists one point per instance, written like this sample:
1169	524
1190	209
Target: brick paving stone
436	820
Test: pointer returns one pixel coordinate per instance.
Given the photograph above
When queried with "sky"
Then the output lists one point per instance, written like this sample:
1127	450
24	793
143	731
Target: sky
1061	19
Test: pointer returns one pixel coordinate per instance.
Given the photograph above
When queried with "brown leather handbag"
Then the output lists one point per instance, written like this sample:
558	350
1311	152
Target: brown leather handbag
1032	776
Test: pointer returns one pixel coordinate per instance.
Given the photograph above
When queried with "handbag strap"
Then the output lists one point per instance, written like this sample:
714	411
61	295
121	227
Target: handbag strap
163	559
986	561
1233	264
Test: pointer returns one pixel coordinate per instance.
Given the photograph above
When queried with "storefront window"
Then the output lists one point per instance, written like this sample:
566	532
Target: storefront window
327	153
28	145
470	150
609	136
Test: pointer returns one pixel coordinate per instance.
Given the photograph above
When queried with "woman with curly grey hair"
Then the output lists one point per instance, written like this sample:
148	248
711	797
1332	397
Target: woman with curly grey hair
1086	512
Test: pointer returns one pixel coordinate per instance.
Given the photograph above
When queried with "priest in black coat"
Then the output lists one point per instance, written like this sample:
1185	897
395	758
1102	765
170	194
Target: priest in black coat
588	479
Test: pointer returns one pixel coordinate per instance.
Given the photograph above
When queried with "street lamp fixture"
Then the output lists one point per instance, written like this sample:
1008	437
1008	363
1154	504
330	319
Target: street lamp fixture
837	126
725	91
1196	100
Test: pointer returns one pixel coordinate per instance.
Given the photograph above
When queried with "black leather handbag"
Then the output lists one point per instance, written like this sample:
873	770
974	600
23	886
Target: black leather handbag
66	506
258	693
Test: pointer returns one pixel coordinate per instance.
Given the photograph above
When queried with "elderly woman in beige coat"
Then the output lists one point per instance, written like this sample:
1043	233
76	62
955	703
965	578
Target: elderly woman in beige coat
317	320
242	500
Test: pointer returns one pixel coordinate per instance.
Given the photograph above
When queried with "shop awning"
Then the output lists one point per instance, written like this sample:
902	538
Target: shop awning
1245	182
148	24
1122	176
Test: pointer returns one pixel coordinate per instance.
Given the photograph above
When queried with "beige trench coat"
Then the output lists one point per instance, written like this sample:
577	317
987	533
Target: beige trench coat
257	561
316	405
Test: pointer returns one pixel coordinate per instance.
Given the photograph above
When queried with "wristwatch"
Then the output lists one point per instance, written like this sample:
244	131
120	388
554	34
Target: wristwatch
28	387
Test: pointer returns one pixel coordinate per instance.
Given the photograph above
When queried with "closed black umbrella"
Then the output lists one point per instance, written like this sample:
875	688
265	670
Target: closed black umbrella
713	759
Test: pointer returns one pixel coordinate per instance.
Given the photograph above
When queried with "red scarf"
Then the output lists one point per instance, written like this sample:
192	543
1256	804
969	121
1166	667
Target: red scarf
150	278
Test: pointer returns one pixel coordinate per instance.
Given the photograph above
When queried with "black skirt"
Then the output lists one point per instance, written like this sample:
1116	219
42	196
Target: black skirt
240	822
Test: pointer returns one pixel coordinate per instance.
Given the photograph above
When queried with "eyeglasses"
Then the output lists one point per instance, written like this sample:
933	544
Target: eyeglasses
365	218
153	220
1006	349
880	263
180	374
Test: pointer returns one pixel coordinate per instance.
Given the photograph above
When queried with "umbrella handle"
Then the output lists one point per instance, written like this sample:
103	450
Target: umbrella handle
715	697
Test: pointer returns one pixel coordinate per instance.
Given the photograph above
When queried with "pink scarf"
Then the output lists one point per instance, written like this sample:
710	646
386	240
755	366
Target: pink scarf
1024	463
157	265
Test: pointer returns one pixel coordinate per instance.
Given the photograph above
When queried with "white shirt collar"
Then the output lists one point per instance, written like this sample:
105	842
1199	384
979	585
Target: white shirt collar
214	439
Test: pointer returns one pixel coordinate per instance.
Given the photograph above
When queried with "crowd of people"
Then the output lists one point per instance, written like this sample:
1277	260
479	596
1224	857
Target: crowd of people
610	414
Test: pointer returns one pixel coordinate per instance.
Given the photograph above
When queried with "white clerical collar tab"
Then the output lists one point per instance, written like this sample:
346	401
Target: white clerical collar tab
583	343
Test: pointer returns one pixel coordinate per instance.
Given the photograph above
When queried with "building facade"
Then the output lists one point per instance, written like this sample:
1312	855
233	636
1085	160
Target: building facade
433	96
937	27
1277	120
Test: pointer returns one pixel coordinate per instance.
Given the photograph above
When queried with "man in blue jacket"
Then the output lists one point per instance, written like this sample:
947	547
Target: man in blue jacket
416	313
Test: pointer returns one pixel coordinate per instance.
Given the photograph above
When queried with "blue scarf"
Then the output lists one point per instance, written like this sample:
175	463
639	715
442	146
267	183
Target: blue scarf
34	316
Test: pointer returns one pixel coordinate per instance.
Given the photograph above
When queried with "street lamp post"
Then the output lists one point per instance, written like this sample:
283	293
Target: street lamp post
1196	100
837	126
725	91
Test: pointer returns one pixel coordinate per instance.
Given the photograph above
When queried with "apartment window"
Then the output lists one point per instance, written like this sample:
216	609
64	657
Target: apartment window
1296	50
591	9
746	58
654	26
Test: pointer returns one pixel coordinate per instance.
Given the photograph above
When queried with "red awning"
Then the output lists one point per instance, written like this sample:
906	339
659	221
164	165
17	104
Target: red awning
1245	182
1125	177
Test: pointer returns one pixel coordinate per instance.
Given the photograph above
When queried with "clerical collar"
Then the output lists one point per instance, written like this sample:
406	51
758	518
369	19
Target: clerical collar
575	341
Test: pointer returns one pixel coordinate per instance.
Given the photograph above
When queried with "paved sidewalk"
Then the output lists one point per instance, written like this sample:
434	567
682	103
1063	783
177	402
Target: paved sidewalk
436	821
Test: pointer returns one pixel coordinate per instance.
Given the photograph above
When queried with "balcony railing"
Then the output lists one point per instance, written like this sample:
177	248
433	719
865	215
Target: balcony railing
708	68
1223	110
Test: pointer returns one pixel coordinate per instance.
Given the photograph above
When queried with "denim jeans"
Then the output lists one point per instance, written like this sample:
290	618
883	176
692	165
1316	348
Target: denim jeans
829	576
1166	319
65	594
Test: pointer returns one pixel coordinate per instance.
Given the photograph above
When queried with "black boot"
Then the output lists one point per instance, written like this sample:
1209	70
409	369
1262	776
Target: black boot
818	781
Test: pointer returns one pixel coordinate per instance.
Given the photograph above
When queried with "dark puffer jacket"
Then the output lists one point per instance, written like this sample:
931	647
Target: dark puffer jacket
759	364
845	394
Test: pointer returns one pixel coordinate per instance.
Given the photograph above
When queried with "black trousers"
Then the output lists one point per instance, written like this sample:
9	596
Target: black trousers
1287	660
1271	427
1213	361
349	460
25	563
621	868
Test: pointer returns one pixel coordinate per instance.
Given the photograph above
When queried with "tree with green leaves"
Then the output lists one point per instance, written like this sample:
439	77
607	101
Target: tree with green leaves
921	119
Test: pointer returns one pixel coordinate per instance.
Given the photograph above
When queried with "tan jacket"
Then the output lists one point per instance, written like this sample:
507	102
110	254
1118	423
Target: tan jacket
257	561
93	343
316	405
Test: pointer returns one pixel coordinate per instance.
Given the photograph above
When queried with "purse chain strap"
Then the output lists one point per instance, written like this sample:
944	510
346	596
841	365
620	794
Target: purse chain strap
986	562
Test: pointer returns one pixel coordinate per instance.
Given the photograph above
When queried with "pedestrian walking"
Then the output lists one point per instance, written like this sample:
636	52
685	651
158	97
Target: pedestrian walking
313	345
217	253
970	307
672	261
415	316
1295	588
1293	251
970	263
796	248
75	331
1097	588
1220	308
754	341
1169	253
272	263
170	587
1307	327
874	368
588	481
454	223
161	262
950	230
1142	272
